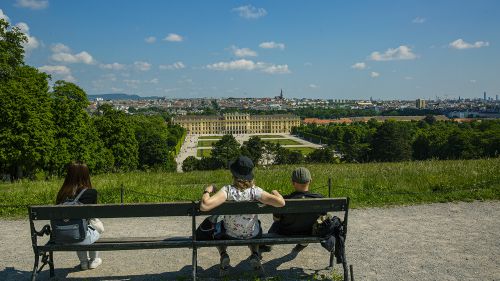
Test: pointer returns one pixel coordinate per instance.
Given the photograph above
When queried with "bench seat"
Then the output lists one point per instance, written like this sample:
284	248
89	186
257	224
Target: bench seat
124	243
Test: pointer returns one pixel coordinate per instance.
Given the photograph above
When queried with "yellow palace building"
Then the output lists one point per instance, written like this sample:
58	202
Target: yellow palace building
237	123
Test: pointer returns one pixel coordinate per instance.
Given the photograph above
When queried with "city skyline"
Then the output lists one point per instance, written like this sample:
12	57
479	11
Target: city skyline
330	50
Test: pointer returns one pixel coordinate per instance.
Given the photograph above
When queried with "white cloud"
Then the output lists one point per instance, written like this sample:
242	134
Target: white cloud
62	53
408	78
150	39
241	64
113	66
243	52
33	4
460	44
31	43
374	74
142	65
272	45
359	66
3	16
400	53
419	20
60	71
172	37
82	57
308	64
60	48
473	81
250	12
249	65
174	66
153	81
115	89
277	69
313	86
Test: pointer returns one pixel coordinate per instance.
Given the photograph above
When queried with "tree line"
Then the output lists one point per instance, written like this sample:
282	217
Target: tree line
402	141
43	128
261	153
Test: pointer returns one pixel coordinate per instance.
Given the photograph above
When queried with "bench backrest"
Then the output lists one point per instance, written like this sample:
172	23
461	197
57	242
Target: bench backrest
317	205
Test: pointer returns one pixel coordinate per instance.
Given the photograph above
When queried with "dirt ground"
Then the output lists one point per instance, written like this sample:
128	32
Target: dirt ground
448	241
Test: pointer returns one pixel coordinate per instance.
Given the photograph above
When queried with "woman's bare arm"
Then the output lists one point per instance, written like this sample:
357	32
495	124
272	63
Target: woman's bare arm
274	199
209	202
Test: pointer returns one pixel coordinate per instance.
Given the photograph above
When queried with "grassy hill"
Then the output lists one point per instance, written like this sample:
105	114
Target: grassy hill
373	184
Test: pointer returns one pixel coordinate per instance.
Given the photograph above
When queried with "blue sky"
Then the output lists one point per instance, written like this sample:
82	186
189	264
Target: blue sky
318	49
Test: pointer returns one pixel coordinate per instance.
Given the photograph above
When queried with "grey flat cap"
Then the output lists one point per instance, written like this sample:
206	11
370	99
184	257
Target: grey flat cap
301	175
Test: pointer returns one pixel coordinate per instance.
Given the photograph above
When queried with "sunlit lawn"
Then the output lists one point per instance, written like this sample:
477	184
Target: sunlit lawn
372	184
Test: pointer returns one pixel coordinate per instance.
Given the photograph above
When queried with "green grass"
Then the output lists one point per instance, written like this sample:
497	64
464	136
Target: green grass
283	141
368	185
268	136
203	152
206	143
210	137
304	150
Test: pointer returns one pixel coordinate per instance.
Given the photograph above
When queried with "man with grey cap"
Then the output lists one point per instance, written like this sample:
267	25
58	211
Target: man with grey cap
295	224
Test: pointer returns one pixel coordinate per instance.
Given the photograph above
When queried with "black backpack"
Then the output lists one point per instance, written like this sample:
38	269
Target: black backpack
66	231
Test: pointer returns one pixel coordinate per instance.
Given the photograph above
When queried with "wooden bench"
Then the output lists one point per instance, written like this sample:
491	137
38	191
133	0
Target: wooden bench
44	251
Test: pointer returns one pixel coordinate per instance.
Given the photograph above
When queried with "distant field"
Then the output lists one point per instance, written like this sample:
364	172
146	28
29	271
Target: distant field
206	143
203	152
303	150
372	184
210	137
283	141
268	136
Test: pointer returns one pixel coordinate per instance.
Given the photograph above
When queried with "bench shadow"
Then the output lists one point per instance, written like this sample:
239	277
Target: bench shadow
241	271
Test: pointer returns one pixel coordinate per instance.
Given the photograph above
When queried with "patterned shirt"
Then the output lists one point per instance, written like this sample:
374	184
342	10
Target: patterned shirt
242	226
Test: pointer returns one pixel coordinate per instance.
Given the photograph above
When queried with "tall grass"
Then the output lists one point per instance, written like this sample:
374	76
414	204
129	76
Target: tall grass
372	184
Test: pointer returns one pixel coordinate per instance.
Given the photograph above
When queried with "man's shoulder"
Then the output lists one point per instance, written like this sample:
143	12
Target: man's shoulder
302	195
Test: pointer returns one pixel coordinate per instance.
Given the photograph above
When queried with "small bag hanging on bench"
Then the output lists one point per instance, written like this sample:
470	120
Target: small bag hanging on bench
211	228
65	231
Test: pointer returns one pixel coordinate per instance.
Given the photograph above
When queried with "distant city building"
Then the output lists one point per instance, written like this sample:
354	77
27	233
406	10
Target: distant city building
420	103
496	97
484	96
237	123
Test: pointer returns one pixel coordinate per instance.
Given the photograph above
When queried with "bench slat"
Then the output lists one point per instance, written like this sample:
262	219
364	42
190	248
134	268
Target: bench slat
112	246
317	205
136	243
111	210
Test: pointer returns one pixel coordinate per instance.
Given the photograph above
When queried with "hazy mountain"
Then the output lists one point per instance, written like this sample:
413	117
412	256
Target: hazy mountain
117	96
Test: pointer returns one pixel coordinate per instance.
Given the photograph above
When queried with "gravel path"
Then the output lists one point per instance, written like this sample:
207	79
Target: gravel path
451	241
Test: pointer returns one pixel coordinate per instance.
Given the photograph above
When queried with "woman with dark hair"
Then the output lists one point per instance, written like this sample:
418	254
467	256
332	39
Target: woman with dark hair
77	182
245	226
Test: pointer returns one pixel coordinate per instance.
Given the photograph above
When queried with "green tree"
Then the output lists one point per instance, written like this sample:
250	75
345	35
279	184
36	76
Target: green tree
323	155
155	143
391	142
226	150
117	133
190	164
11	49
76	137
26	126
253	148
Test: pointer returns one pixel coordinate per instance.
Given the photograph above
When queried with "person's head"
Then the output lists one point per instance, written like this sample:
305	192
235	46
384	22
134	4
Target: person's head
242	170
77	179
301	178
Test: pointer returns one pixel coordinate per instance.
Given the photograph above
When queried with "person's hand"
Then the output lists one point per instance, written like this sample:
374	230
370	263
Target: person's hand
209	188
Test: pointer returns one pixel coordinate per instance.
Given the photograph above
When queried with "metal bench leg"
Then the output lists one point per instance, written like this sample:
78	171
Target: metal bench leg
35	267
195	262
51	264
331	260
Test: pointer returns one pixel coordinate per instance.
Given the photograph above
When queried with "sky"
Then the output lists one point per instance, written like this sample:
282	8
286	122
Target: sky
314	49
